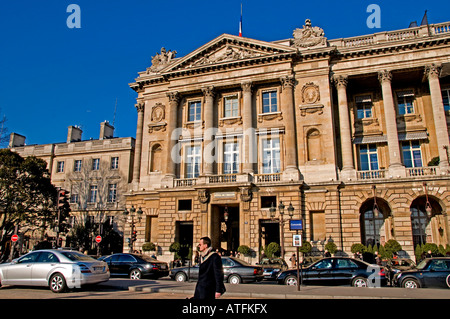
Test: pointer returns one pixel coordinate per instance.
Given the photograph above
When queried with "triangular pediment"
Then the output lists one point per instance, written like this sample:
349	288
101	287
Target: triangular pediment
227	49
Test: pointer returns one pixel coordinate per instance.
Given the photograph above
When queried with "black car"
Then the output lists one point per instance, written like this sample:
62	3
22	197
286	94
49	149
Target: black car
336	271
235	271
430	272
135	266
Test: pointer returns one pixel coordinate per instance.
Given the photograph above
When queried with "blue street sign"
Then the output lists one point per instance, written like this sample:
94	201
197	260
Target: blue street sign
296	224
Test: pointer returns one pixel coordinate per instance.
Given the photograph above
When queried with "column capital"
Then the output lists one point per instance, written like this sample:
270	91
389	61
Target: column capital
208	91
140	107
384	76
247	86
432	70
288	81
173	96
340	81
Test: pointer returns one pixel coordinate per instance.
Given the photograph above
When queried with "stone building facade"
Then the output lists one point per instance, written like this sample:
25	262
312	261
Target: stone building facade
344	130
95	172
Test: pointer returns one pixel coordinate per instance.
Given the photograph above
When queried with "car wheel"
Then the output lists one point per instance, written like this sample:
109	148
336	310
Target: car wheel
447	280
57	283
234	279
180	277
410	283
291	281
135	274
360	282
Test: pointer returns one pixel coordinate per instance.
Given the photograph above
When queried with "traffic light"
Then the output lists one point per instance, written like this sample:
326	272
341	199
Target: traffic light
63	198
134	235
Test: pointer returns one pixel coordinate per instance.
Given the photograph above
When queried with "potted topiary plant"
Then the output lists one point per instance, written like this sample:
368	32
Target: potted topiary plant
331	247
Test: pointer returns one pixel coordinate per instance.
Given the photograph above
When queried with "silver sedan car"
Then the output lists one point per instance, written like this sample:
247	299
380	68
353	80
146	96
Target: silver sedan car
57	269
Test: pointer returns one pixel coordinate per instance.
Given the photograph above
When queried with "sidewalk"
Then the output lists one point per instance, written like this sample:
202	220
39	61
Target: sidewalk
274	291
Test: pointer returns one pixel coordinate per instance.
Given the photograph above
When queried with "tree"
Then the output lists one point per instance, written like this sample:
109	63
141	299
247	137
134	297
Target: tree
27	196
391	247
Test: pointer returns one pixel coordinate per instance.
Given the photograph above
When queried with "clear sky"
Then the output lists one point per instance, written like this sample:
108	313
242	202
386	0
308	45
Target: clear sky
53	76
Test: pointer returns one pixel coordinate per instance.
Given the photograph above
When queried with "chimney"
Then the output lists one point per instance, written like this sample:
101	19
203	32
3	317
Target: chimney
16	140
74	134
106	130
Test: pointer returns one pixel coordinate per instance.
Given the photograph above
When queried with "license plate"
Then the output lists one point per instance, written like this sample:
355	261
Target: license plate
163	267
99	268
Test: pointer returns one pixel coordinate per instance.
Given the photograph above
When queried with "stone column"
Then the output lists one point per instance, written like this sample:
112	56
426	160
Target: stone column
174	99
138	148
291	168
248	142
440	122
396	167
348	169
208	133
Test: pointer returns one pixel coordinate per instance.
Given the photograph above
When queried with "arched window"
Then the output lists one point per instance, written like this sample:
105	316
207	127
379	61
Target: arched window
419	222
372	222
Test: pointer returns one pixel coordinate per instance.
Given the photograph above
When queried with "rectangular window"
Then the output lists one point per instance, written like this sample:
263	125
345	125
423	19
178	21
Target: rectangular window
412	154
193	160
114	163
194	111
363	106
270	103
185	204
231	106
74	199
60	167
405	102
268	201
231	158
271	155
446	99
77	166
95	164
368	157
112	193
93	192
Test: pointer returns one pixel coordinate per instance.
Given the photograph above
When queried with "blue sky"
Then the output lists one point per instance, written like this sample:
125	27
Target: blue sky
52	76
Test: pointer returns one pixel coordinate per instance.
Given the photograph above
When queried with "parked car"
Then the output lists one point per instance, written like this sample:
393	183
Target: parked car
430	272
58	269
336	271
272	266
236	271
135	266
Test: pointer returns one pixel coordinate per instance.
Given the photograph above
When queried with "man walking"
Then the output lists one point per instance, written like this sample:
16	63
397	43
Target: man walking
210	277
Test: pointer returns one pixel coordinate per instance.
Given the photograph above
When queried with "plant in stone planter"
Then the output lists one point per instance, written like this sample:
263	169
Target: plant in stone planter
175	248
272	249
331	247
149	247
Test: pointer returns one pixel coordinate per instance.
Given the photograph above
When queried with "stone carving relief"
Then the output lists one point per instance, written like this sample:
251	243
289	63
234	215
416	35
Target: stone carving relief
161	60
309	36
311	99
229	54
158	115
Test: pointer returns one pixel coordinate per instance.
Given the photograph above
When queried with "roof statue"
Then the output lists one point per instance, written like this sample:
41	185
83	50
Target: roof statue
160	60
309	36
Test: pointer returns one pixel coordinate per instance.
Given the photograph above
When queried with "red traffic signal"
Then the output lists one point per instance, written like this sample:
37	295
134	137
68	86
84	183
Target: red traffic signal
62	197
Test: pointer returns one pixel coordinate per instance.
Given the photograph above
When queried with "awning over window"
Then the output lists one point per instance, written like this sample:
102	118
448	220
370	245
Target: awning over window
408	136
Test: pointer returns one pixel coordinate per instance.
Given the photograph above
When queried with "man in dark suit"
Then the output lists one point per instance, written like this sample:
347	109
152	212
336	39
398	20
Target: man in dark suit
210	277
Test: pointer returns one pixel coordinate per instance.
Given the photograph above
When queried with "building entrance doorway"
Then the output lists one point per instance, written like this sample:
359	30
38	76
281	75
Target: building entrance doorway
184	235
225	227
269	232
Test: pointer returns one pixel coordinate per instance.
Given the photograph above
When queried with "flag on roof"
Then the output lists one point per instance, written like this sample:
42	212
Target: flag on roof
240	24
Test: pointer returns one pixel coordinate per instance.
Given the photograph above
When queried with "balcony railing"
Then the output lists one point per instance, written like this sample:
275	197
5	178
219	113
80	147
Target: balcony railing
184	182
381	173
267	178
422	171
228	178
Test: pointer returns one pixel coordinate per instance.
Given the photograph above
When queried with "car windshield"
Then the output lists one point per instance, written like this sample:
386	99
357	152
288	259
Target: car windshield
422	264
76	256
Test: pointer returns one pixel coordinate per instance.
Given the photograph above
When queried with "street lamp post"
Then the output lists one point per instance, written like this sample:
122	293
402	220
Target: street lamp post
281	220
133	235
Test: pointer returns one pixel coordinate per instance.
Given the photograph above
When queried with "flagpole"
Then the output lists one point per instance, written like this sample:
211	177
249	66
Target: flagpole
240	23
